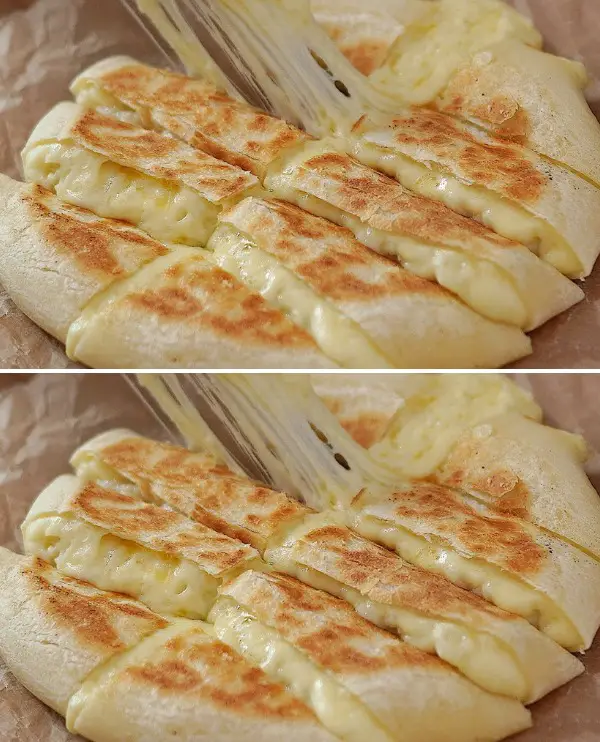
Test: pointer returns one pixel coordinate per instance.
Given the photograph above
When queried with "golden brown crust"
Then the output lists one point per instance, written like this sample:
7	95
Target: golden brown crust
509	168
509	541
93	618
194	664
207	492
158	529
326	628
202	115
160	156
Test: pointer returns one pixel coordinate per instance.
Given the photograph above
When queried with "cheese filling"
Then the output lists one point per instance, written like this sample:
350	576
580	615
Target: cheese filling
494	211
481	657
167	585
335	707
487	580
485	287
426	428
337	336
89	94
167	211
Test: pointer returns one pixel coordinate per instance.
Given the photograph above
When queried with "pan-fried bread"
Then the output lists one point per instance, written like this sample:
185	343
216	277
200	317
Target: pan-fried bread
199	689
510	189
530	97
192	483
183	311
439	410
439	39
56	630
535	472
365	34
117	542
498	651
193	110
54	257
120	170
352	300
497	277
97	657
513	564
375	685
363	405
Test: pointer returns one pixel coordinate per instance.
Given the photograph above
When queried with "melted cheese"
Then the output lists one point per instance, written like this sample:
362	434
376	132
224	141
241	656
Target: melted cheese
496	212
89	94
424	58
336	708
425	429
487	580
337	336
167	211
484	286
481	657
166	584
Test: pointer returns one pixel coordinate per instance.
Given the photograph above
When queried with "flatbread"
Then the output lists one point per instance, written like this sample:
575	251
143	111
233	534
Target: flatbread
192	109
192	483
354	296
535	472
117	542
513	564
98	658
54	257
519	194
496	650
530	97
123	171
183	311
384	681
497	277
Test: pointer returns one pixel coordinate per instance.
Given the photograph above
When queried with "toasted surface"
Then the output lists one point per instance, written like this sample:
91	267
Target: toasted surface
56	630
365	659
456	522
200	689
364	405
530	97
547	191
532	471
368	288
323	548
196	485
192	109
54	257
148	525
188	313
149	152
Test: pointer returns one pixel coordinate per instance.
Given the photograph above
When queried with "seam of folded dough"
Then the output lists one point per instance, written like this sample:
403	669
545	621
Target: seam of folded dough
338	335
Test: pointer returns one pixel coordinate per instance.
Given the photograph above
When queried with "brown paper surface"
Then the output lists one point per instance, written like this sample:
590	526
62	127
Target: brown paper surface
44	43
44	417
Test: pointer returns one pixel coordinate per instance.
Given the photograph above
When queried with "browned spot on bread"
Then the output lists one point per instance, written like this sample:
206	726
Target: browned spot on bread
90	240
203	295
208	118
205	491
159	155
506	167
384	204
158	529
508	541
382	576
205	668
326	628
366	56
92	615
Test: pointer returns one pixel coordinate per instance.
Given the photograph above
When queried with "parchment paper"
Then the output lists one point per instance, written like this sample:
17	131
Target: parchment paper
44	417
44	43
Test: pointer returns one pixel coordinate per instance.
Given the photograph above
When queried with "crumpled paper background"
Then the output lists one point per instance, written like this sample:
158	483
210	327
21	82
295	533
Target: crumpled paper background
44	418
44	43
